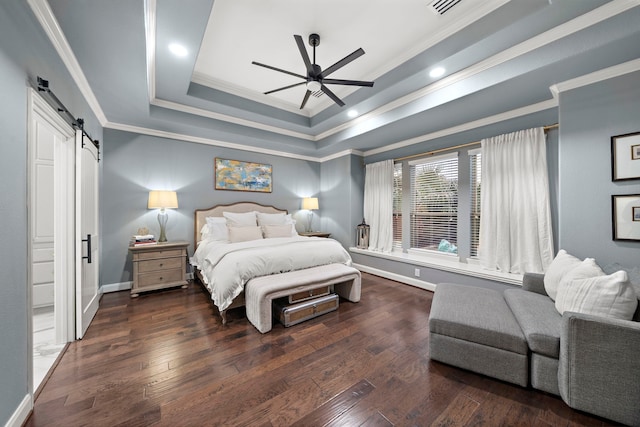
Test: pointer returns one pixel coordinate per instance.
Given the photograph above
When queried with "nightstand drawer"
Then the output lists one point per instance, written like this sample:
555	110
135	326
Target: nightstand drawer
159	264
160	277
160	254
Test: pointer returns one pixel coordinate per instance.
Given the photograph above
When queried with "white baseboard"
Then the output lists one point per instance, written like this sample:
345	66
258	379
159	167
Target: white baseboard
116	287
397	277
21	413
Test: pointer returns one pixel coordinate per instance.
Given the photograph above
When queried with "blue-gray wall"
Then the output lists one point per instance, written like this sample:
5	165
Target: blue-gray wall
589	117
25	52
342	193
135	164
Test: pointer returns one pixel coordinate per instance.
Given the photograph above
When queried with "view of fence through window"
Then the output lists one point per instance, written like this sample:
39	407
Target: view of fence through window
434	204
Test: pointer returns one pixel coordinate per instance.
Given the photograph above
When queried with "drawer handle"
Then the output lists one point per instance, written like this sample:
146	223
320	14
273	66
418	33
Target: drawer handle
310	293
161	264
161	277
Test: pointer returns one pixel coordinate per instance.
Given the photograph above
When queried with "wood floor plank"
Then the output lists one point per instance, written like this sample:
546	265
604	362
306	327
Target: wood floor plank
165	359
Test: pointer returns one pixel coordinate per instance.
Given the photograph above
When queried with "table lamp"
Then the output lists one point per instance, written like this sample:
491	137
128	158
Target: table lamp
310	204
162	200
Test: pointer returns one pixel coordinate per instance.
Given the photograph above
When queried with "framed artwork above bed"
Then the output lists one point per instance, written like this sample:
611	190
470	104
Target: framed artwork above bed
242	176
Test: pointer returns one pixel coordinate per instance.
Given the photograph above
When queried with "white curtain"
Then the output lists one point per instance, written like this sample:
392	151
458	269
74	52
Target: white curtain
378	205
515	216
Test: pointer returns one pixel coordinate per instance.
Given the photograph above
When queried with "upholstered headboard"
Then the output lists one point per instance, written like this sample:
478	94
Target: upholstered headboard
202	214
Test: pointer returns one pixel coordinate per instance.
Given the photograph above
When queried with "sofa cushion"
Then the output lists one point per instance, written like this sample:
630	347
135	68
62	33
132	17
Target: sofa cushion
539	320
607	296
561	265
477	315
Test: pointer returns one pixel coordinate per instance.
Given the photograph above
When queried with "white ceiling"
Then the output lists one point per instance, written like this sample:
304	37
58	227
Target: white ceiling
390	32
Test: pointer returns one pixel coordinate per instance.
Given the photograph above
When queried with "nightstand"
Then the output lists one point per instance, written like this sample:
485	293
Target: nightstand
159	266
315	234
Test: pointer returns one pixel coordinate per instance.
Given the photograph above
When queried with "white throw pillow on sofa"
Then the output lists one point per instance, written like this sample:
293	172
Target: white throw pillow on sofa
607	296
561	265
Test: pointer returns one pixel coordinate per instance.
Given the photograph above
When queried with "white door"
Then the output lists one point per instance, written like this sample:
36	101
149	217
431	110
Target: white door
87	237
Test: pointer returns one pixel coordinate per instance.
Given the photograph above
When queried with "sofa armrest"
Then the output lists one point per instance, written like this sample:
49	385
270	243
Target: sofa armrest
599	366
533	282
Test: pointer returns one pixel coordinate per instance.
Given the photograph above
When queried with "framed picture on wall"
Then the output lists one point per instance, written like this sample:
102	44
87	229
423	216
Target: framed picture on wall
625	156
626	217
242	176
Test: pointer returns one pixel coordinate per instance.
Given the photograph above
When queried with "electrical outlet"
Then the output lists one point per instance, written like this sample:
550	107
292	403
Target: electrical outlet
417	273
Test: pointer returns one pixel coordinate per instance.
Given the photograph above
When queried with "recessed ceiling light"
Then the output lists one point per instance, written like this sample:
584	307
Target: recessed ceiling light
352	113
178	50
436	72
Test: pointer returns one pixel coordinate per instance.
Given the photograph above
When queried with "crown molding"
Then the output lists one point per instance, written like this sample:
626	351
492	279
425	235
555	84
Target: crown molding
496	118
596	76
242	92
570	27
206	141
49	23
229	119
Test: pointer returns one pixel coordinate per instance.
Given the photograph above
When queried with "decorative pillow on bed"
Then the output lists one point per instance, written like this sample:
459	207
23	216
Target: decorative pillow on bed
216	229
285	230
272	219
243	234
245	219
561	265
608	296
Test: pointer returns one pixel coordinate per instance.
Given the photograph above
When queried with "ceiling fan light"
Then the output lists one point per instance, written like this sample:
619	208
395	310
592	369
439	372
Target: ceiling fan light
313	86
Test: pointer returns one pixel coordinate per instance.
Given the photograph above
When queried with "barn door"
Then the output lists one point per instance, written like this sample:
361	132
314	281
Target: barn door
87	237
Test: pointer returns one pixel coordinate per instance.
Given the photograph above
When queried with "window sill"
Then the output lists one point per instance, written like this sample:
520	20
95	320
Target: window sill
444	262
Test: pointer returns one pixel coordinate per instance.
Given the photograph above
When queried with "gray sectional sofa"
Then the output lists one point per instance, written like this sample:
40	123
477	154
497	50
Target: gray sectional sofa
518	336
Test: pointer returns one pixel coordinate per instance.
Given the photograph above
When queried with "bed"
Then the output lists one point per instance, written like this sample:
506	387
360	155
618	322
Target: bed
224	267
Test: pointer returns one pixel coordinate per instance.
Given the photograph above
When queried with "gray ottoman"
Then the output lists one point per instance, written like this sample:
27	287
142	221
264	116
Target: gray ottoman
473	328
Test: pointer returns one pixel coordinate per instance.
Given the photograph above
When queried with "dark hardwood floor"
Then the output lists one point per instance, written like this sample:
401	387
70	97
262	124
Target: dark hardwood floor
165	359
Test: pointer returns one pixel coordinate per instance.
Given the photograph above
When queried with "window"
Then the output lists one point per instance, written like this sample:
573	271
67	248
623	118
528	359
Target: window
397	206
434	203
475	160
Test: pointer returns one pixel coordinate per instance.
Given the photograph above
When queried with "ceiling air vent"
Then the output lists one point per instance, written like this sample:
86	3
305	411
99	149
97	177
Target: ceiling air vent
441	7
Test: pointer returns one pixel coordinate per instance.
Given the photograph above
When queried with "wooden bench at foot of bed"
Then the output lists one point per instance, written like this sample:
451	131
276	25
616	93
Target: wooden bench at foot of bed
261	291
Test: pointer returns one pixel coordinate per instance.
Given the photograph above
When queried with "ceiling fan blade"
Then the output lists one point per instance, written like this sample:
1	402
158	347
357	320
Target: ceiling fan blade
283	88
303	52
332	95
344	61
278	69
305	99
347	82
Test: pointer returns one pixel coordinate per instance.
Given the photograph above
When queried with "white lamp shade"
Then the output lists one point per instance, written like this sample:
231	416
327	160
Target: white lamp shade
159	199
310	203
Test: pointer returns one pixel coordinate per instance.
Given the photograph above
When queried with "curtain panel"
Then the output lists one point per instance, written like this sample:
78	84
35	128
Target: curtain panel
515	218
378	205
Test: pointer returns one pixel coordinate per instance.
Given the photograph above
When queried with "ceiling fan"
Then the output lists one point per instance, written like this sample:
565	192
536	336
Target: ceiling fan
316	78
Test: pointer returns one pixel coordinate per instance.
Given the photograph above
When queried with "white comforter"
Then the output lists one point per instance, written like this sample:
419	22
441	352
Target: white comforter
226	267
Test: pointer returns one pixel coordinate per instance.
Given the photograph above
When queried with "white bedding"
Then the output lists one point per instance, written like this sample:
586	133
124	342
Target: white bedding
226	267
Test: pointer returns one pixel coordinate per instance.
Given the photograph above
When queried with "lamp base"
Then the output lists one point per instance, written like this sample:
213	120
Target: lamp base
162	219
309	220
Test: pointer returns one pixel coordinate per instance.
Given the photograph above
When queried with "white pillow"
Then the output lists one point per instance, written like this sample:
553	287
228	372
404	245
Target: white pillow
284	230
271	219
243	234
607	296
561	265
245	219
585	270
216	229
